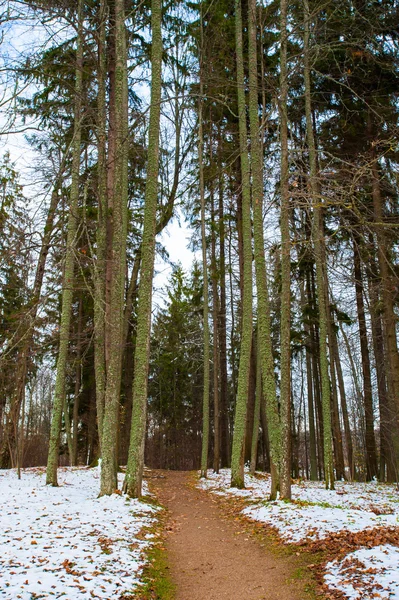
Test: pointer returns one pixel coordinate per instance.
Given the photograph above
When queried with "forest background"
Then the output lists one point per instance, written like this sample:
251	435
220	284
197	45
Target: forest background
271	129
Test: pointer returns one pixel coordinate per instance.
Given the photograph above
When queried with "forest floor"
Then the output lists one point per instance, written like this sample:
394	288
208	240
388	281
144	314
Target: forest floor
349	536
66	542
213	554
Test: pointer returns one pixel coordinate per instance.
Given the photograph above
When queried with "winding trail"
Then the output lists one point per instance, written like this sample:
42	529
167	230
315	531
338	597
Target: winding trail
209	555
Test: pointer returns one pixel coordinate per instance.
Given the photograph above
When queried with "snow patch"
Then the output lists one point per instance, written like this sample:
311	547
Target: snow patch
67	542
315	512
366	573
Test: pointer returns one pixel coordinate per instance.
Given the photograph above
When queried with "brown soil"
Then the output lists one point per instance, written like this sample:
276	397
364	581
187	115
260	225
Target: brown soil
212	556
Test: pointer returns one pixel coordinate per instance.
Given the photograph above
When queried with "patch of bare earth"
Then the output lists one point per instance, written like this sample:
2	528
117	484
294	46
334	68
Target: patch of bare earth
210	555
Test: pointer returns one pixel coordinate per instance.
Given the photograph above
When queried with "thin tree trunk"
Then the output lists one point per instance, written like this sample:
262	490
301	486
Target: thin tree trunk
344	405
78	377
224	420
101	233
135	466
336	426
371	453
206	351
285	322
27	330
237	455
68	278
309	385
258	400
215	313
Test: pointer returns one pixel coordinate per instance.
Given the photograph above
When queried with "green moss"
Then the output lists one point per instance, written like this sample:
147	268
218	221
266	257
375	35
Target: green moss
157	582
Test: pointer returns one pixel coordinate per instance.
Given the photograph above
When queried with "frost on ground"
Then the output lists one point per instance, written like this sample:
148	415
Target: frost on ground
315	512
65	542
366	573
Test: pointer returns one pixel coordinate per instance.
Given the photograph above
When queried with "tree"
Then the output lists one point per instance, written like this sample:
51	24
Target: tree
317	236
134	473
237	455
68	277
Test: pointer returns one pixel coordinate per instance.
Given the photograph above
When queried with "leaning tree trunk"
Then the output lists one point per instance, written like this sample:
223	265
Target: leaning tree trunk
135	465
264	328
317	234
240	417
117	262
68	278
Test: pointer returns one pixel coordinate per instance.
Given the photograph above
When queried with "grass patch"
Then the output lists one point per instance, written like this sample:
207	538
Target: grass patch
157	583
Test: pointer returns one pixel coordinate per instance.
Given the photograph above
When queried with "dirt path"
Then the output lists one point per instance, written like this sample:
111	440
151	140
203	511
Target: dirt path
209	556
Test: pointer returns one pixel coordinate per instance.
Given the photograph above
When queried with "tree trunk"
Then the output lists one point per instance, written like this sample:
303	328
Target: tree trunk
309	385
387	458
68	278
78	378
116	274
135	466
222	336
336	426
237	456
258	400
101	233
371	454
263	303
285	322
344	405
206	351
389	316
215	314
318	240
27	331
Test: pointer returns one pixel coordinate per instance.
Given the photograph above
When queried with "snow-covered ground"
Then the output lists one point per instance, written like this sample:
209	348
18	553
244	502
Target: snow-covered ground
316	513
367	573
65	542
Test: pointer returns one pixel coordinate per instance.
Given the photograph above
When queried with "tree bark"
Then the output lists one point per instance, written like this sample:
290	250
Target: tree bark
237	455
68	278
344	406
263	303
215	313
371	454
285	322
387	287
99	271
206	334
116	273
318	240
135	466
